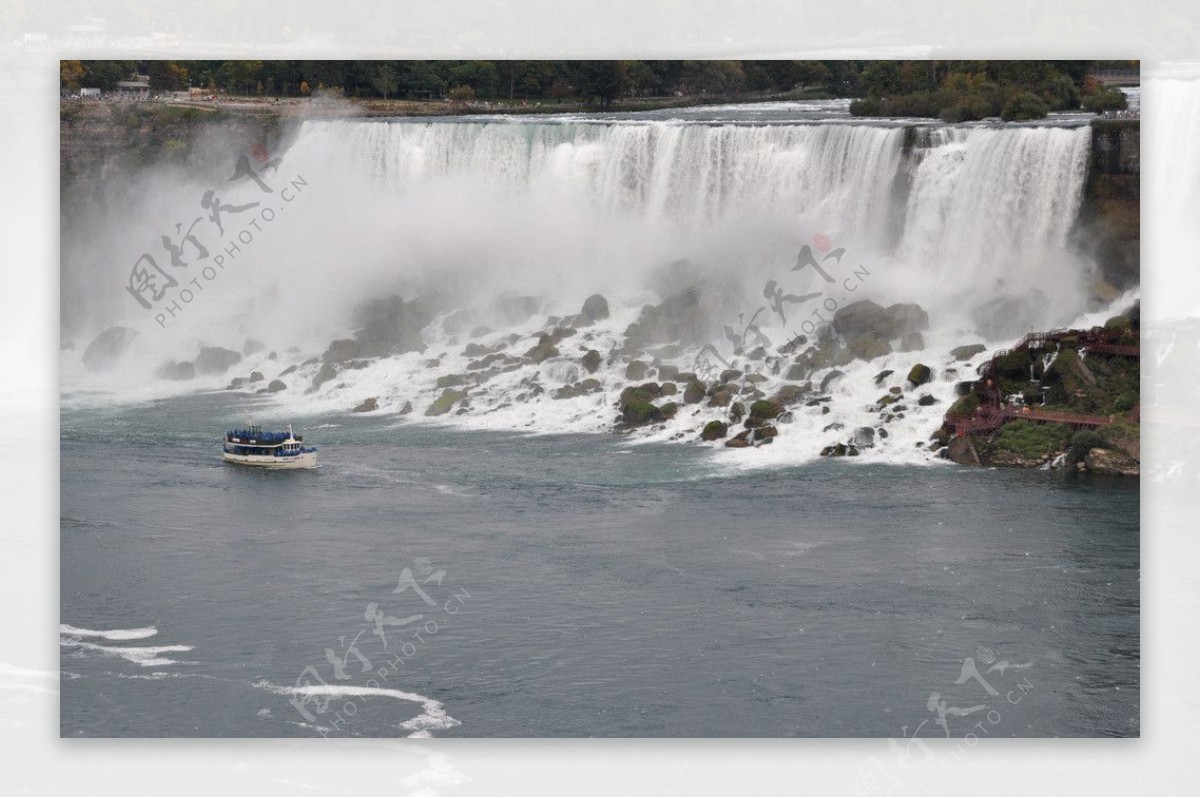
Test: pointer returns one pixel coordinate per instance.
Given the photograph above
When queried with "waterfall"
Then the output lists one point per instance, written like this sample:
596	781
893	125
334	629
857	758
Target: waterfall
962	214
973	223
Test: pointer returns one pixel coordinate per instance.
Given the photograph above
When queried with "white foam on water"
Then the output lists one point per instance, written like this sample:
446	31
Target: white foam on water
108	634
433	716
145	656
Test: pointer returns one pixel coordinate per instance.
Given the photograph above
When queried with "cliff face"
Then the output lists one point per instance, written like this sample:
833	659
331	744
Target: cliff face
101	140
1110	220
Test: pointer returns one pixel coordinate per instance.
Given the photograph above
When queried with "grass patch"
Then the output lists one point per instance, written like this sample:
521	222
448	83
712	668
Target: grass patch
1032	441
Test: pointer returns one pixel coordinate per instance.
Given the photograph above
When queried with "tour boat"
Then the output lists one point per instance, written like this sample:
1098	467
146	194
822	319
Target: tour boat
253	447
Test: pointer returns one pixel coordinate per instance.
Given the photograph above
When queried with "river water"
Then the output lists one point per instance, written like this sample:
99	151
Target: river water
435	581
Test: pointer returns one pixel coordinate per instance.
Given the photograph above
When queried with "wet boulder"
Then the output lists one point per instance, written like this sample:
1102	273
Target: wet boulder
275	386
327	372
864	437
543	350
739	441
591	361
764	432
694	392
108	347
445	402
677	318
636	370
911	342
920	374
829	379
173	370
765	409
791	394
595	308
867	317
367	405
967	351
714	430
389	325
216	360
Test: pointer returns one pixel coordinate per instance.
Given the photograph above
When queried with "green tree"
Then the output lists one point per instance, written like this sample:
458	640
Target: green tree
385	81
602	81
106	74
1106	100
1023	105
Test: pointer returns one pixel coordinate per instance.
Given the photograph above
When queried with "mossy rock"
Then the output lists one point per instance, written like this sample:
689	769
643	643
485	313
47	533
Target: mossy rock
694	392
637	412
450	380
714	430
765	409
1118	323
668	410
920	374
445	402
591	361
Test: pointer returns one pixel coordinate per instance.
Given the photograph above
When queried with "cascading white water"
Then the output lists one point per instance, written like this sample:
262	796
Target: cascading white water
991	209
972	223
968	214
661	171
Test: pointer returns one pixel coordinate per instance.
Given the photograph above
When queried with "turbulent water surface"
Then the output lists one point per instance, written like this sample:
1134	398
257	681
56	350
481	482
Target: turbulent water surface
590	587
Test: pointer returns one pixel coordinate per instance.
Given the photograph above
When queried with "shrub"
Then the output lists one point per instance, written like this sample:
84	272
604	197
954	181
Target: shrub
1105	100
964	407
1083	442
462	93
1023	105
868	106
1125	402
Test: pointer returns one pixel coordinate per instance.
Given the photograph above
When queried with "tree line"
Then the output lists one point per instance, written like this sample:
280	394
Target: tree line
593	82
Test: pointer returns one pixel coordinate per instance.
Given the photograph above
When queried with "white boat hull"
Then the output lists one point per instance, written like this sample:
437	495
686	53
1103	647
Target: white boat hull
302	460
